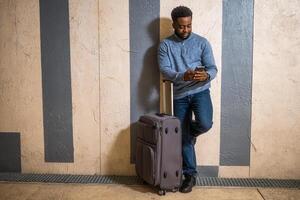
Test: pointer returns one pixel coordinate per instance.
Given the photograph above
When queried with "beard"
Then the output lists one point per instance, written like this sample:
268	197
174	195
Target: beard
183	35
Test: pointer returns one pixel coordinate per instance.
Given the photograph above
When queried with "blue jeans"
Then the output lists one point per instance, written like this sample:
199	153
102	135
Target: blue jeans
199	103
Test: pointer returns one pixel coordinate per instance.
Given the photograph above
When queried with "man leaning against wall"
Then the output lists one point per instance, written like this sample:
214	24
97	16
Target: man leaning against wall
187	60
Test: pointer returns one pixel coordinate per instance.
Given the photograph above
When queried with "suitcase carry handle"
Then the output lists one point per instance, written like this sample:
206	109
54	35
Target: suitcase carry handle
162	114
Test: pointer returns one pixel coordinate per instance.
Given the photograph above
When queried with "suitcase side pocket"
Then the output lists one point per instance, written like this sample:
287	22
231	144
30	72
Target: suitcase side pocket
145	161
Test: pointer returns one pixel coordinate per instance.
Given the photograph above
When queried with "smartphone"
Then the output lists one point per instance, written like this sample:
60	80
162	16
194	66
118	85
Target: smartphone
200	68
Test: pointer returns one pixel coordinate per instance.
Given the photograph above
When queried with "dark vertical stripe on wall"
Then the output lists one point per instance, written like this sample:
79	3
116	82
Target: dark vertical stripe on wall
144	72
237	46
56	80
10	152
207	171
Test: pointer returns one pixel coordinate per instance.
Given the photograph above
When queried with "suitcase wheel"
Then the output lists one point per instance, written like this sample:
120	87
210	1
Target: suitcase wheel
162	192
174	190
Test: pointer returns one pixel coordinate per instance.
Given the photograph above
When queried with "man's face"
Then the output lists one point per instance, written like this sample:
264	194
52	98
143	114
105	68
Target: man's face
183	27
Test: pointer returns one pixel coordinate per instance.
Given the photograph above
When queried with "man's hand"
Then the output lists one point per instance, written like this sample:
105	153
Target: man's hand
189	75
198	75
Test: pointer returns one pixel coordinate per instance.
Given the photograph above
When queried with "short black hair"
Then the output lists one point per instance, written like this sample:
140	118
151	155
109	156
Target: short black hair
181	11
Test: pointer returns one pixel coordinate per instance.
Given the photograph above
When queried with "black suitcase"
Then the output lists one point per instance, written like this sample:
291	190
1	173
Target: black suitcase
159	151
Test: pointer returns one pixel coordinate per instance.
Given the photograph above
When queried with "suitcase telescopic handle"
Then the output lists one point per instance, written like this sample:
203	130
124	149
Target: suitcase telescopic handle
164	97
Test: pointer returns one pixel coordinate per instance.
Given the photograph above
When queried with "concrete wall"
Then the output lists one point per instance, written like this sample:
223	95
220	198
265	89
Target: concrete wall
21	85
276	102
101	78
114	87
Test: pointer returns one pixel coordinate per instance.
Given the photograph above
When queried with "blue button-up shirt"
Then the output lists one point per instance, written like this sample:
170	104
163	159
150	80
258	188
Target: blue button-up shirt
175	56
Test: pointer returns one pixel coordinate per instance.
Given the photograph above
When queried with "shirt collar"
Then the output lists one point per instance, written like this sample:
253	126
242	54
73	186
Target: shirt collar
178	39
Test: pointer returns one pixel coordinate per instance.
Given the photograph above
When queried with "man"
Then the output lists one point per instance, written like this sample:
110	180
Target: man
187	60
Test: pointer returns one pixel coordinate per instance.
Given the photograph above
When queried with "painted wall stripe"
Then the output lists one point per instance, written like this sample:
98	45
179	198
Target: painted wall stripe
237	47
208	171
56	80
10	152
144	72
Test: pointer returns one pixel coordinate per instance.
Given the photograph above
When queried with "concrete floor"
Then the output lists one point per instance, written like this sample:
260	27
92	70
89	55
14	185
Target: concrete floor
43	191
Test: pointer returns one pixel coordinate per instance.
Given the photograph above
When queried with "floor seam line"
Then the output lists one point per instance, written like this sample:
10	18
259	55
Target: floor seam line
260	193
